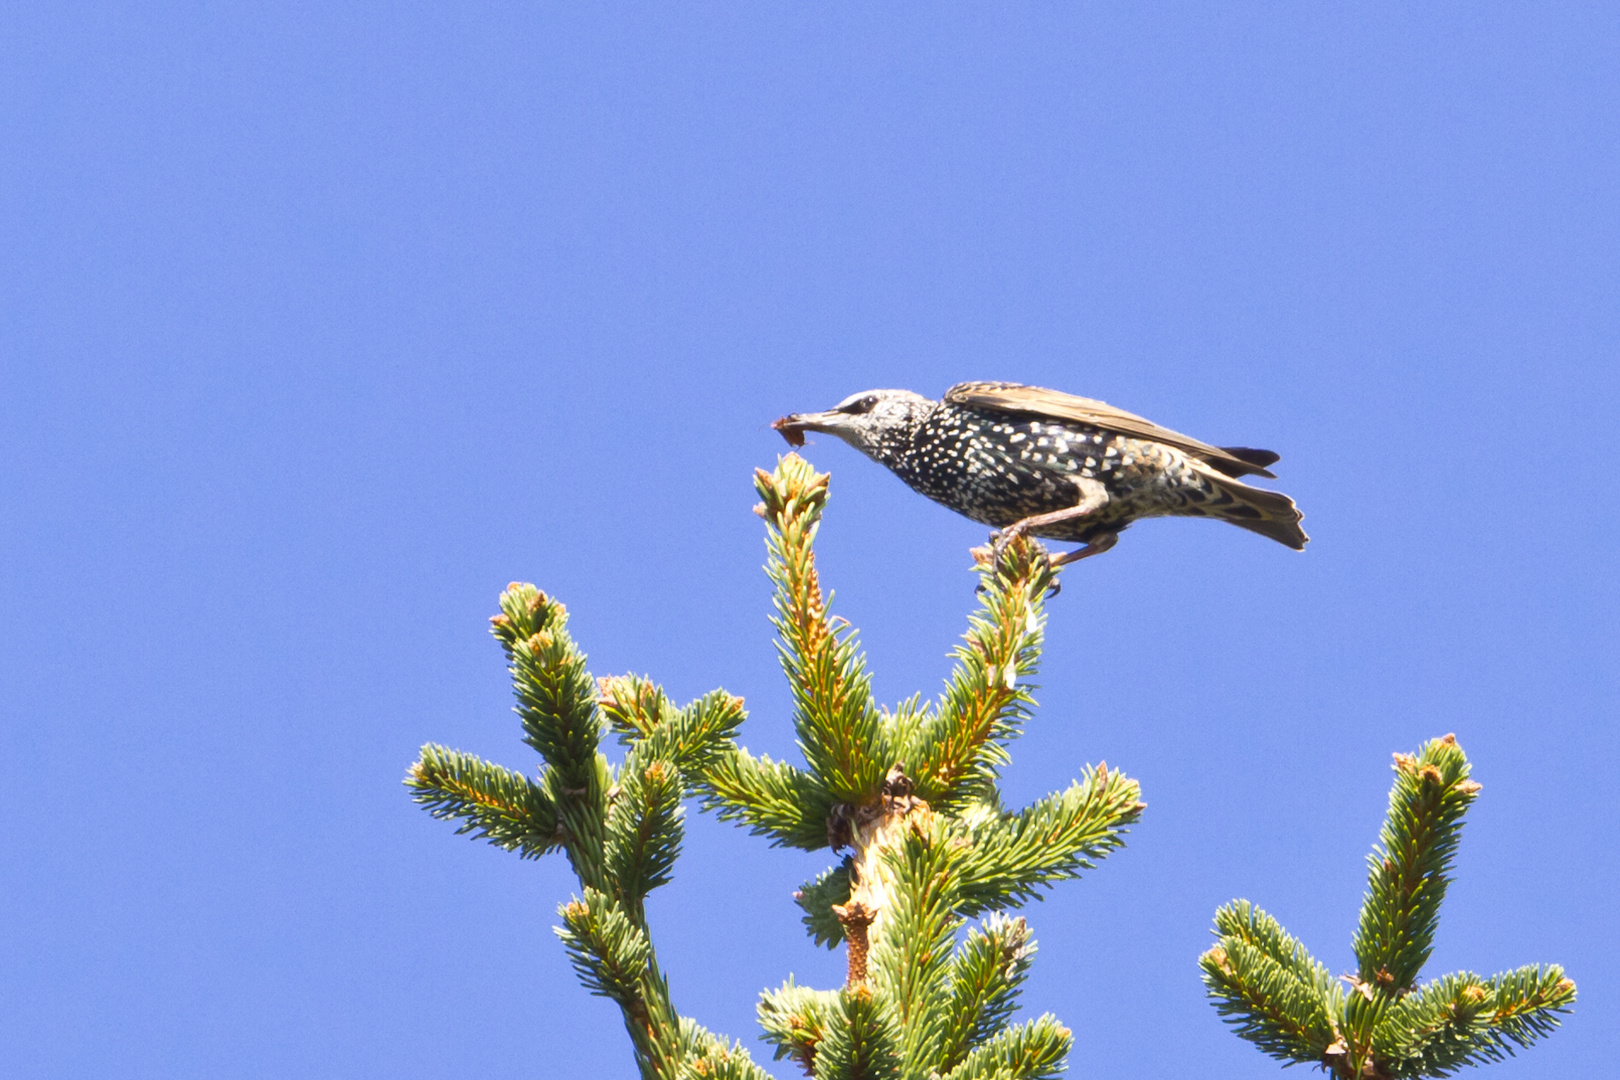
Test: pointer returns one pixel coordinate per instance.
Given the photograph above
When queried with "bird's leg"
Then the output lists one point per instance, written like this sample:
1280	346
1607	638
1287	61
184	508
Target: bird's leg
1096	547
1092	497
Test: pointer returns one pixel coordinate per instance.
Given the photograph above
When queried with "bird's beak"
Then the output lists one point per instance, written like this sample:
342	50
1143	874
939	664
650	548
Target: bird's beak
795	425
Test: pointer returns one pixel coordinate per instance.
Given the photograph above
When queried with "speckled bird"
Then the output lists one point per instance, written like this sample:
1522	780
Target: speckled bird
1027	460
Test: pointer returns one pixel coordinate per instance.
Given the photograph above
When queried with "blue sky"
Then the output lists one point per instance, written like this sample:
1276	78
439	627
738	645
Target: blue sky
321	322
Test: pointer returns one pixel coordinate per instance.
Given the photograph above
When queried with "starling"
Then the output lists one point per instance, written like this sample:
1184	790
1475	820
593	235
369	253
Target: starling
1027	460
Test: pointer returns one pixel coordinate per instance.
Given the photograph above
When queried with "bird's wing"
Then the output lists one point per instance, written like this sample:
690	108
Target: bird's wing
1035	400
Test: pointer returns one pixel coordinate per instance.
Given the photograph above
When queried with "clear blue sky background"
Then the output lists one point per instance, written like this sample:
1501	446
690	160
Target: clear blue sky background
321	322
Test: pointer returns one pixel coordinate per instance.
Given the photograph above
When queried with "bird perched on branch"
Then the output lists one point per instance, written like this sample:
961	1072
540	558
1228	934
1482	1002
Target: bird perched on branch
1031	461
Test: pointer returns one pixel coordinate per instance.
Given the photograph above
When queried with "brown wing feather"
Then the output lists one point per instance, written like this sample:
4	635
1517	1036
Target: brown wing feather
1015	397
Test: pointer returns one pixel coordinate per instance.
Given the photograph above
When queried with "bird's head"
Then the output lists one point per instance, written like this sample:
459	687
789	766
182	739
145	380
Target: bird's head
878	423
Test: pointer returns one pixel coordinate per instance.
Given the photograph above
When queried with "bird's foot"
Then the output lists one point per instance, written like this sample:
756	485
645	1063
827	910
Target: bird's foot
993	553
996	554
1002	539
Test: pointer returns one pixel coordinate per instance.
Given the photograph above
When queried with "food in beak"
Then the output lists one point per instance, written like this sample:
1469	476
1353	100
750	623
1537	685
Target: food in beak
791	430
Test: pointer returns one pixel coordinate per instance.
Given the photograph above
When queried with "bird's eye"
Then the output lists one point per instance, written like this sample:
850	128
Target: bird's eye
860	405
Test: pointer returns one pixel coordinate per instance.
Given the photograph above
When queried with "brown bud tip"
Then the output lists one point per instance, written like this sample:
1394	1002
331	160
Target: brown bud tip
1566	986
1474	994
1430	774
792	432
1469	787
759	509
499	620
854	913
513	586
1449	739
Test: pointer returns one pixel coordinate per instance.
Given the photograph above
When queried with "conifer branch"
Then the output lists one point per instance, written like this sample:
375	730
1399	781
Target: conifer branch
556	700
1240	922
621	838
772	798
1008	857
693	738
795	1020
634	706
1409	867
495	804
1460	1020
911	953
959	747
1034	1050
557	708
705	1056
862	1040
643	829
1438	1029
1527	1003
608	950
986	974
1267	987
837	722
818	898
733	1064
613	956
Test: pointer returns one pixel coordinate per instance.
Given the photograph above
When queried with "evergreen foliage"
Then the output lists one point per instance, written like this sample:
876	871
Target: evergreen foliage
906	800
906	796
620	828
1378	1024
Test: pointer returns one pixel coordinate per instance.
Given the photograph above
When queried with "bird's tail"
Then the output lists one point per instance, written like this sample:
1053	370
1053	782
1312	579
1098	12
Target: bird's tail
1269	513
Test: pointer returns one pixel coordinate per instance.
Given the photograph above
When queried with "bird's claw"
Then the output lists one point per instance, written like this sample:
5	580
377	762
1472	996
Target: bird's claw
1001	540
990	556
